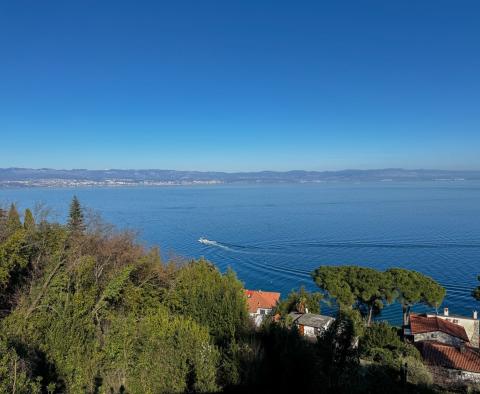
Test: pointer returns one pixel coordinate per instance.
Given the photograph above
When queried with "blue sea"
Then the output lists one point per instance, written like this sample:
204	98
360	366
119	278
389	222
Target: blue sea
274	236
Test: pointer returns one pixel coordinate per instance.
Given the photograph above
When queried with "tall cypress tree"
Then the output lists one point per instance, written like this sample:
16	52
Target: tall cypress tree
76	223
28	221
13	220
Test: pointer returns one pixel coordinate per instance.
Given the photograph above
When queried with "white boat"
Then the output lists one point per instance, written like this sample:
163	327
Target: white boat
206	241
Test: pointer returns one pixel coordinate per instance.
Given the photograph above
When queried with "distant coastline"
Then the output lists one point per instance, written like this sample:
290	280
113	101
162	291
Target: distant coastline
26	177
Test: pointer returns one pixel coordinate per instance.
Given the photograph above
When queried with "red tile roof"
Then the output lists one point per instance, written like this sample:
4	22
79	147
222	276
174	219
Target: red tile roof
442	355
421	324
261	299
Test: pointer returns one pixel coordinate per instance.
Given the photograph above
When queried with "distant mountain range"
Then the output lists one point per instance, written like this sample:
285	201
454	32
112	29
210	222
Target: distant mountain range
46	177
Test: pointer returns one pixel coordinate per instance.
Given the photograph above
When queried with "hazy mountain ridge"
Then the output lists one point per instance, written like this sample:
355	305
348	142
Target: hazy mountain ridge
18	177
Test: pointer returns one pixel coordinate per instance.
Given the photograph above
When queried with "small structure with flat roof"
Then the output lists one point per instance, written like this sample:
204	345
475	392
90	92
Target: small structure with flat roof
310	324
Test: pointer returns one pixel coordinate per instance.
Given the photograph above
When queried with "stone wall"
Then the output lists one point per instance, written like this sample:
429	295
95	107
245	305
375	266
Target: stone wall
438	336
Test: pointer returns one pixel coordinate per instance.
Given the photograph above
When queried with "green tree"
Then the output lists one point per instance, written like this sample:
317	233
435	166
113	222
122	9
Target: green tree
300	301
14	259
381	343
161	353
217	301
476	291
28	221
76	222
412	287
15	372
285	363
13	220
352	286
338	350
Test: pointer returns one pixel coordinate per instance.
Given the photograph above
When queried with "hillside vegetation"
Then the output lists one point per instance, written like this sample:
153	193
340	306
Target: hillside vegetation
87	309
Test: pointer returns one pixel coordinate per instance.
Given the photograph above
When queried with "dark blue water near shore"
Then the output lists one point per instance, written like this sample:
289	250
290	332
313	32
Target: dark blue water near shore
274	236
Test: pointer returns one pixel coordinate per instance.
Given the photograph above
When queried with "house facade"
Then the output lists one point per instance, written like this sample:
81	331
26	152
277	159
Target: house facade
448	344
470	324
260	304
433	328
311	325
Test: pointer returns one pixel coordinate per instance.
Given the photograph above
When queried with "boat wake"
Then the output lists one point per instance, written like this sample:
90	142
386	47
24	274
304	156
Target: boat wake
208	242
295	247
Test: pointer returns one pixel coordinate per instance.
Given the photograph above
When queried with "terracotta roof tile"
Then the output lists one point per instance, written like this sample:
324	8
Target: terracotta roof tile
421	324
261	299
442	355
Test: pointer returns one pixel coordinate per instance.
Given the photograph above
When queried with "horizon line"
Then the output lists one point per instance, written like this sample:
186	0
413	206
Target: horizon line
238	171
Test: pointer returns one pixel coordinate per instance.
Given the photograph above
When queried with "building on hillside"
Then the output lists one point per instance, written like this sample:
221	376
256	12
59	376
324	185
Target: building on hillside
448	344
260	304
450	363
310	324
470	324
433	328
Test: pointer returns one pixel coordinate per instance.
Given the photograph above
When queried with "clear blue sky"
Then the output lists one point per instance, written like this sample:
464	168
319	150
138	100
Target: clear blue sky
240	85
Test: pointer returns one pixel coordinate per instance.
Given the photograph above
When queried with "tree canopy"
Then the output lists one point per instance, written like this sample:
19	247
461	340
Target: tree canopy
353	286
300	301
412	287
370	290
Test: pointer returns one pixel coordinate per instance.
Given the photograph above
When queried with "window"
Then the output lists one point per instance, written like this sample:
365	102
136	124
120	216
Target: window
434	335
262	311
455	321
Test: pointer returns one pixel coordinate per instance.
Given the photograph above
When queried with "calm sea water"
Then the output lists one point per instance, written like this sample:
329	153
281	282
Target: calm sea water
274	236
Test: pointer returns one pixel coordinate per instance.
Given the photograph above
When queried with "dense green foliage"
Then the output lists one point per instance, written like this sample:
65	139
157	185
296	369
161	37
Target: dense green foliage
85	309
413	288
368	290
365	288
300	301
15	374
13	220
76	222
29	221
98	312
214	300
381	343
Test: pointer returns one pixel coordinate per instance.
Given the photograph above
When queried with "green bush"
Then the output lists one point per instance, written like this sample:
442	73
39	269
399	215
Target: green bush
417	372
381	342
15	373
